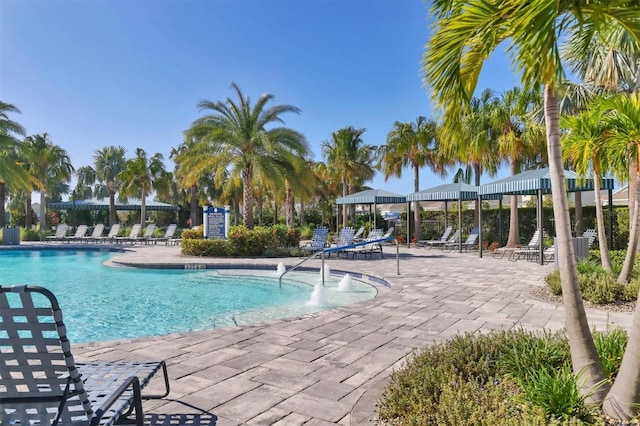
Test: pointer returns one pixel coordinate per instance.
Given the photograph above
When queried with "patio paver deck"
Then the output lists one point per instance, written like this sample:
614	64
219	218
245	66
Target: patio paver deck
330	368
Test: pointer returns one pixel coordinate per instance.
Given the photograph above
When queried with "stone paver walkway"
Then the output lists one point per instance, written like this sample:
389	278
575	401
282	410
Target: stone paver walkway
330	368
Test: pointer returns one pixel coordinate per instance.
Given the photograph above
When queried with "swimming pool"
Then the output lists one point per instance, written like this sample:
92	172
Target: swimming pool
105	303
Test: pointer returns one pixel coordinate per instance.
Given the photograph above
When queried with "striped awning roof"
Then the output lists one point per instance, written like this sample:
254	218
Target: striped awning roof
103	204
447	192
372	196
531	181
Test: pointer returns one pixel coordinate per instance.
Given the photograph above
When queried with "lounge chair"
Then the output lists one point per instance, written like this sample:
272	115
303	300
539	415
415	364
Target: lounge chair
95	234
111	236
500	252
455	238
532	248
358	235
371	247
591	235
318	240
133	234
168	235
61	232
147	236
442	240
81	231
345	238
468	244
41	384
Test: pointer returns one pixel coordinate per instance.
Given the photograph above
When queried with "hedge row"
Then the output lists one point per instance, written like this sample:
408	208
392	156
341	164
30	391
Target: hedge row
241	241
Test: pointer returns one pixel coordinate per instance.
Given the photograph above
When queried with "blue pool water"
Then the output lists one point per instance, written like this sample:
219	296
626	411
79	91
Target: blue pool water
104	303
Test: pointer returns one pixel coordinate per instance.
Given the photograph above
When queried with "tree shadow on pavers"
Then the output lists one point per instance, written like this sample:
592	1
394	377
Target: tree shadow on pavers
204	418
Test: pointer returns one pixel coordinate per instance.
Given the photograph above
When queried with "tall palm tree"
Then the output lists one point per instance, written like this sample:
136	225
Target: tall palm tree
240	137
142	175
10	168
465	34
476	148
350	159
48	164
624	146
187	178
518	140
108	163
412	145
583	145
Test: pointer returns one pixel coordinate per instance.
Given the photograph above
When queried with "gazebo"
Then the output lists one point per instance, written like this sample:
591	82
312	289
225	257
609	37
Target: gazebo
458	191
538	182
372	197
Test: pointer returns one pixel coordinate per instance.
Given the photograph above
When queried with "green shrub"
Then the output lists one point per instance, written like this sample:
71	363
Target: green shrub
631	290
555	391
29	234
530	350
192	234
206	248
553	281
611	346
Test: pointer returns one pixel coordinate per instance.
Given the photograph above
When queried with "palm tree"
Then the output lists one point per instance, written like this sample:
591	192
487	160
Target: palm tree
476	148
10	168
624	115
349	158
142	175
236	137
465	34
48	164
583	145
518	140
412	145
108	163
186	177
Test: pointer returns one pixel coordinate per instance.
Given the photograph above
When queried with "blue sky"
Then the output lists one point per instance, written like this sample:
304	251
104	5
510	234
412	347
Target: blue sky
130	72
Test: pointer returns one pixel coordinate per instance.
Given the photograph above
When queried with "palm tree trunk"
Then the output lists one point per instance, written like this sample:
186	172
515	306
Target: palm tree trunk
193	206
578	213
43	211
417	219
260	204
345	218
3	195
28	219
633	171
288	204
584	356
602	236
477	171
627	266
143	208
247	196
514	226
112	208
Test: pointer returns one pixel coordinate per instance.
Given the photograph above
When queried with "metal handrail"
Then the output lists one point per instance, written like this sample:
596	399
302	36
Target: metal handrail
340	248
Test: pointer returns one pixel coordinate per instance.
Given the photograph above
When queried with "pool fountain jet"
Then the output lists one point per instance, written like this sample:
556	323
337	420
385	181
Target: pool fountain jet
281	268
318	297
327	272
345	283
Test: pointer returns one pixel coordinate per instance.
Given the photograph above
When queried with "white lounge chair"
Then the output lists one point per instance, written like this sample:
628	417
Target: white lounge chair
95	234
318	240
442	240
468	244
81	231
61	232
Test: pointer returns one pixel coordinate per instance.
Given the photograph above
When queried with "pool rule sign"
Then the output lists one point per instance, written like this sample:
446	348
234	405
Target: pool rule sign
216	222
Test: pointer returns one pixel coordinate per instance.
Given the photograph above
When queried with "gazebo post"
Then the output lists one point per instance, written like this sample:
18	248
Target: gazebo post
460	223
540	213
480	225
500	223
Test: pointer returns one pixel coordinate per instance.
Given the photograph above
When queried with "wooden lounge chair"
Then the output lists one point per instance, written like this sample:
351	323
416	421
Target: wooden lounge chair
40	382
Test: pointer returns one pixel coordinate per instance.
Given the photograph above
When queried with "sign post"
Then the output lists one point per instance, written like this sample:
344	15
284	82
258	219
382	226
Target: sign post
216	222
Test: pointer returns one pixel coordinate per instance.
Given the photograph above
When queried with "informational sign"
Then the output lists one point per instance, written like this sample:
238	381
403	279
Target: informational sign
215	222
